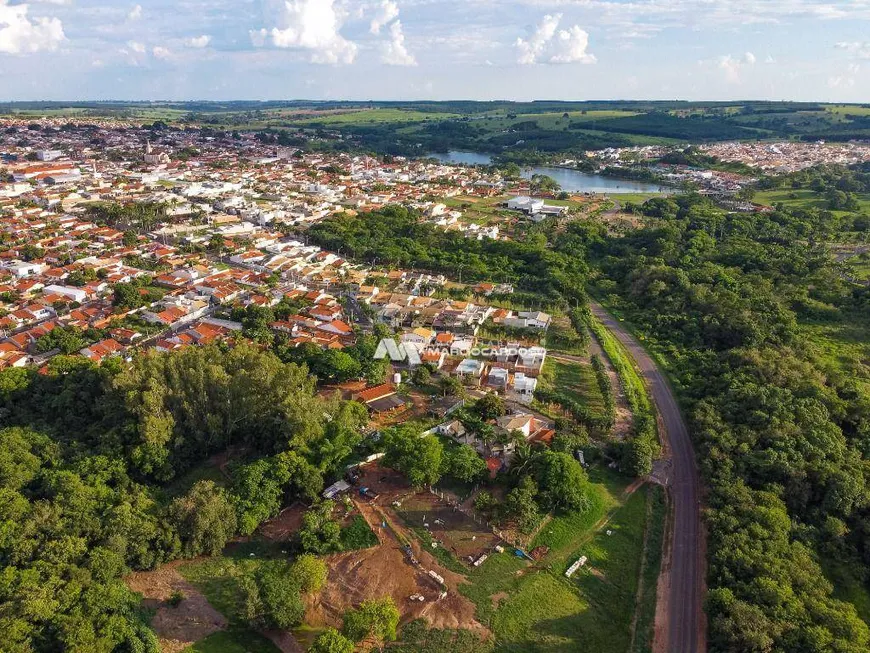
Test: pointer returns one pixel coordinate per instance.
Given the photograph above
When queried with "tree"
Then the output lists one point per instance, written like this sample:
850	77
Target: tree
490	407
543	183
320	533
521	505
204	518
279	593
570	438
463	463
129	239
563	482
377	618
338	366
418	458
451	386
331	641
422	375
126	295
309	572
258	489
638	456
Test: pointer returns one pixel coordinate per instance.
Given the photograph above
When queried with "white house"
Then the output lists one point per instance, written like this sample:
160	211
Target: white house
469	367
524	385
529	320
498	377
533	357
21	269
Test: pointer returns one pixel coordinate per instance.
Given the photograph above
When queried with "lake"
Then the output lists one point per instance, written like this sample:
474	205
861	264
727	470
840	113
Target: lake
572	181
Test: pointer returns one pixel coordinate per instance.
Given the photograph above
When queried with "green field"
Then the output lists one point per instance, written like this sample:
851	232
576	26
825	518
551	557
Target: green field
574	380
374	116
536	608
804	198
850	109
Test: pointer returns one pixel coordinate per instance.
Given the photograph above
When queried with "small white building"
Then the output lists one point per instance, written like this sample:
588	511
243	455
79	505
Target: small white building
21	269
524	385
525	204
469	367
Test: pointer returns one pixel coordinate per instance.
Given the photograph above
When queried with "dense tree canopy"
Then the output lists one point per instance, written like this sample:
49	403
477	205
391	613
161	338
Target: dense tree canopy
85	456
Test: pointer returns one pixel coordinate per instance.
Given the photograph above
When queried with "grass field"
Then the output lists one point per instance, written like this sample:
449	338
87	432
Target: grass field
636	198
850	109
535	608
651	567
848	586
373	116
804	198
574	380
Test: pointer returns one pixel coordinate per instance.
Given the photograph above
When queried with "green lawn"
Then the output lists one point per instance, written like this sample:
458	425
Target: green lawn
843	345
205	472
635	198
652	564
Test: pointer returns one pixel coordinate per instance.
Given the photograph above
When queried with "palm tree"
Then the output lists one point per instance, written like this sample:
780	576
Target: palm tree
523	458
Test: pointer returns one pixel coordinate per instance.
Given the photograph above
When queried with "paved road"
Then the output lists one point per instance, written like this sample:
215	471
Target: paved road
684	618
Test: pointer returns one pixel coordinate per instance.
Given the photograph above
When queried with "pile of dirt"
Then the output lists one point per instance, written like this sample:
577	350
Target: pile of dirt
177	627
386	570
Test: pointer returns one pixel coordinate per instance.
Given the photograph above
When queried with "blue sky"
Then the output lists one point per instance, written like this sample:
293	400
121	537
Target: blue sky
435	49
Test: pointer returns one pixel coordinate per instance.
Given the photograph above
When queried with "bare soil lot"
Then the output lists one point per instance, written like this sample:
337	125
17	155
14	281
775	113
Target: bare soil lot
448	526
177	627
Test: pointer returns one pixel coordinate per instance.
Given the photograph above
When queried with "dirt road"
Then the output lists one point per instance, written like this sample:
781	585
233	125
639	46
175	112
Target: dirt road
680	624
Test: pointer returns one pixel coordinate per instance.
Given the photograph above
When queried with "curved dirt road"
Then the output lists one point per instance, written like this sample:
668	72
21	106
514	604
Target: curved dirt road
682	621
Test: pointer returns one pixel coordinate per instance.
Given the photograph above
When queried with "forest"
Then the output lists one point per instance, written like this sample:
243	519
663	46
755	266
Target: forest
781	428
89	473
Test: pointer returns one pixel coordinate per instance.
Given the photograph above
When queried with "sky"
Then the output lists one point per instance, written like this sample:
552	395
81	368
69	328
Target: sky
435	49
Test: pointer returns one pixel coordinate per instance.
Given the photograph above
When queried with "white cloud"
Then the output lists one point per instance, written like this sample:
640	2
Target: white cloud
387	12
856	48
135	46
160	52
198	41
841	82
549	44
313	26
395	53
135	13
733	66
21	34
